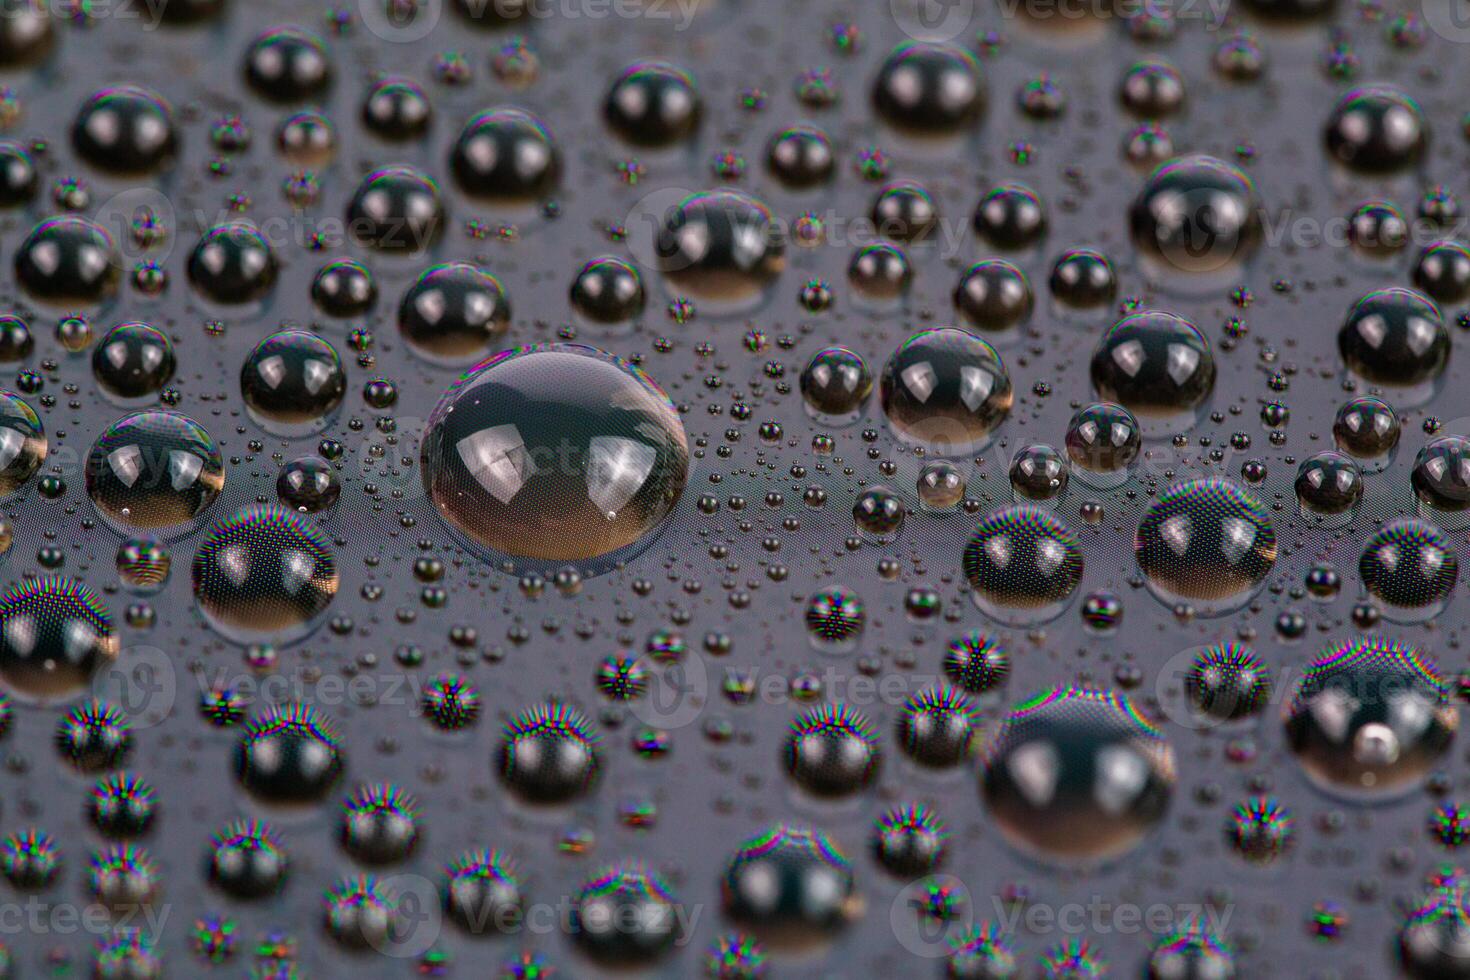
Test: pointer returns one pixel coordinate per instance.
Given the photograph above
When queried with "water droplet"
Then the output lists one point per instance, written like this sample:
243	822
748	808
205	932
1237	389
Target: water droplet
264	575
553	454
1077	776
1206	543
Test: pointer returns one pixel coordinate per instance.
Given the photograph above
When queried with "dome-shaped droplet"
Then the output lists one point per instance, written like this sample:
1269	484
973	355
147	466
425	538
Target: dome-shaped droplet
505	154
1083	278
555	454
1441	474
993	295
54	636
1409	565
23	444
133	360
549	753
1376	130
1395	337
1206	543
265	575
801	156
1196	214
946	389
836	382
1103	439
929	88
125	129
344	288
453	313
396	209
289	754
154	470
1328	483
625	915
69	261
608	290
233	263
397	109
831	751
1367	428
292	381
652	103
1370	718
721	245
1077	776
789	885
288	64
1023	565
1154	364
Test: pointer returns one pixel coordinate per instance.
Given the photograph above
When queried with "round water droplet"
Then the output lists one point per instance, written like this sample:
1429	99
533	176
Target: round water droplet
125	129
1395	337
836	382
608	290
1411	566
946	389
309	484
23	444
1196	214
143	564
505	154
1023	565
265	575
1155	364
1083	279
721	245
291	382
344	288
69	261
625	915
929	88
233	264
831	751
553	454
289	754
1227	682
1441	474
288	64
1370	718
1038	473
1077	776
453	313
1103	440
1367	428
790	885
133	360
1205	543
154	470
1376	129
652	103
993	295
396	209
549	753
54	636
1328	483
